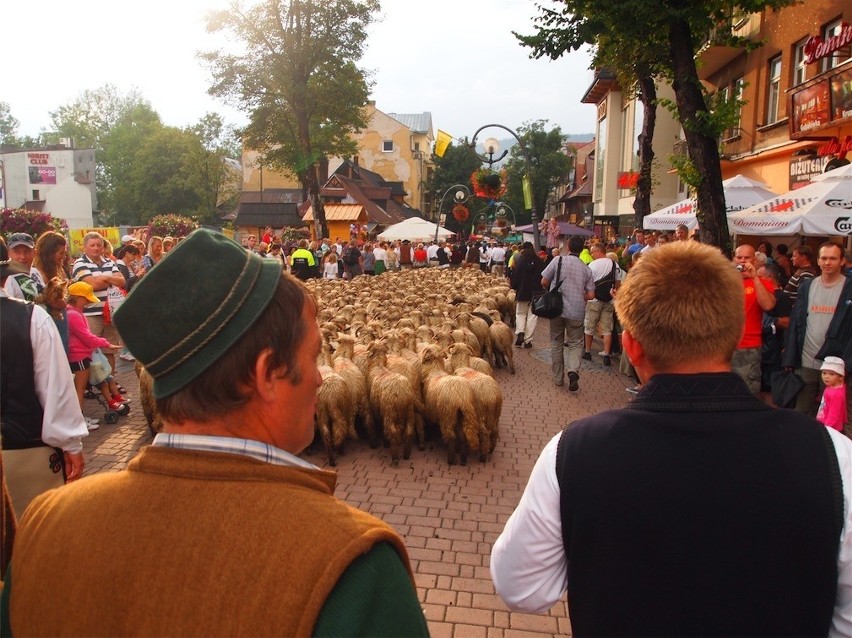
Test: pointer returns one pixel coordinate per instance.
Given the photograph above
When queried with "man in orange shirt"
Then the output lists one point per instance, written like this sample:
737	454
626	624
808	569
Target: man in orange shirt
759	298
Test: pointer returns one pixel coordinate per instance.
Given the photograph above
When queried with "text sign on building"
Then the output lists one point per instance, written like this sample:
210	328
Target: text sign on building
816	48
42	174
38	159
821	103
804	169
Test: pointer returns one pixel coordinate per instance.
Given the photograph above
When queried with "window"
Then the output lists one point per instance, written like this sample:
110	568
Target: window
638	119
35	195
416	146
737	94
600	153
774	91
800	73
387	146
839	56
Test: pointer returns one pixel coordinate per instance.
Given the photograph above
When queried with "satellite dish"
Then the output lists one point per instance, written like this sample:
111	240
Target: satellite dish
837	162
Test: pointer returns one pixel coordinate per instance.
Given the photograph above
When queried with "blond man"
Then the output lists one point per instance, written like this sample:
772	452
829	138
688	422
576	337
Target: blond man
684	513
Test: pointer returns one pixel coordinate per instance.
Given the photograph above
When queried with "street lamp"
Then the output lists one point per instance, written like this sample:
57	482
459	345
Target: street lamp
492	147
461	195
502	209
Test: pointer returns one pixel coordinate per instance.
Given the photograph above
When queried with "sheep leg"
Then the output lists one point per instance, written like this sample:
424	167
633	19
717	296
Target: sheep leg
448	434
323	427
511	357
393	436
420	427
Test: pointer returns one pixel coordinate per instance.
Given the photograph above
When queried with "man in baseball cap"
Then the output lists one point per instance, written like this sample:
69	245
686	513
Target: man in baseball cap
233	354
25	284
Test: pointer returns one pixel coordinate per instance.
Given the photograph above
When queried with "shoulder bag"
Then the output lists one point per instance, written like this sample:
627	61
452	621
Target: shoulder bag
549	304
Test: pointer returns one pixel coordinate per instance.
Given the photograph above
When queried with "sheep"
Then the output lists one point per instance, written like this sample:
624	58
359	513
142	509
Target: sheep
392	401
335	415
480	328
465	358
502	339
356	379
486	391
450	404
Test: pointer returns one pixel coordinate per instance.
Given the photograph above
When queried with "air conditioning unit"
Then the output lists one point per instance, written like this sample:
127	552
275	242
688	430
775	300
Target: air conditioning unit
67	142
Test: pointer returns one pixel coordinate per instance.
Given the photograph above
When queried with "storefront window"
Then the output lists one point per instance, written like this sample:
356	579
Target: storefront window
774	91
638	117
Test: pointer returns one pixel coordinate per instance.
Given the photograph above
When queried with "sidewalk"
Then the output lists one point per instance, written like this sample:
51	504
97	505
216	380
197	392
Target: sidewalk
448	516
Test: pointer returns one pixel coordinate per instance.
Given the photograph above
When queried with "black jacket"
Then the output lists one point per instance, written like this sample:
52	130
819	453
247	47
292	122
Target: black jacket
838	340
526	277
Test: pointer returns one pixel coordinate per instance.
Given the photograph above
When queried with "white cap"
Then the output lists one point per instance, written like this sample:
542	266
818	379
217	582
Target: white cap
834	364
127	238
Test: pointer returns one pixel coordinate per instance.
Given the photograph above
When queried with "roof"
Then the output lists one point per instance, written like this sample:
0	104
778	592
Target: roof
603	83
338	212
272	195
417	122
275	214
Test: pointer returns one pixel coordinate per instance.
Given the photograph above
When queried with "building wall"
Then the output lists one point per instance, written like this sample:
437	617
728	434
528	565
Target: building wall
762	147
401	164
35	173
72	202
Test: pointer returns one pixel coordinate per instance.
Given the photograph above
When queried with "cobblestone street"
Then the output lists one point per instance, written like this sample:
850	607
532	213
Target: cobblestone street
448	516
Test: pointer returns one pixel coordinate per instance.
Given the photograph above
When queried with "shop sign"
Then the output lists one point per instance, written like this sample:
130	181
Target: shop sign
835	147
36	159
804	169
42	174
811	108
841	95
816	48
824	101
628	179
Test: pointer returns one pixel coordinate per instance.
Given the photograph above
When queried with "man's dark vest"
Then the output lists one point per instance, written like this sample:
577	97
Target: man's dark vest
21	414
405	254
443	257
699	511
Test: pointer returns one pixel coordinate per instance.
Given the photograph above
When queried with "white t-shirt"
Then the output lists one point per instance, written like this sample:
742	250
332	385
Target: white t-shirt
601	266
330	270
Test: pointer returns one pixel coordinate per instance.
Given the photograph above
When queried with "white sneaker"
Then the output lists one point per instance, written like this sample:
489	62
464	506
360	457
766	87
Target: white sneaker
91	424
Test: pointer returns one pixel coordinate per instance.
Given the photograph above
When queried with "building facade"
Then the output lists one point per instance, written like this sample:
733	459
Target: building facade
616	159
58	179
797	92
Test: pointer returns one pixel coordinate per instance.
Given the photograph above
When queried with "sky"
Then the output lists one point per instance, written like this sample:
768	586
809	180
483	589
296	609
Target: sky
454	58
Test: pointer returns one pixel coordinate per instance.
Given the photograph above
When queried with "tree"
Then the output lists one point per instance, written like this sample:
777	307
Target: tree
549	163
215	179
455	167
297	77
8	125
665	36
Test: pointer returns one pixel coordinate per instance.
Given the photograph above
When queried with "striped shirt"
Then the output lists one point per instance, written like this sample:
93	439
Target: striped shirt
85	267
228	445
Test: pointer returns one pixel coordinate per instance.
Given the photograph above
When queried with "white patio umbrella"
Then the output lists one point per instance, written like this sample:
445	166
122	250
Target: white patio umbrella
740	193
414	229
823	207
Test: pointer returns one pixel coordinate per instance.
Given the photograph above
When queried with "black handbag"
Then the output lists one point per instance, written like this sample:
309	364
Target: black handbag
786	386
549	305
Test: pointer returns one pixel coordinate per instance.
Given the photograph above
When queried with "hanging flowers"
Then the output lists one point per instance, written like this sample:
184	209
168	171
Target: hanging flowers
460	212
171	225
501	223
33	222
488	184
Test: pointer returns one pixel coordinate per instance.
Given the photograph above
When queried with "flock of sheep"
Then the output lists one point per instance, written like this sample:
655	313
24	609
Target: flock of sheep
405	354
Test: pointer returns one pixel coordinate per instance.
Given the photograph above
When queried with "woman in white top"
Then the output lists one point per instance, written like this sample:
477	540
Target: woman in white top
381	255
330	269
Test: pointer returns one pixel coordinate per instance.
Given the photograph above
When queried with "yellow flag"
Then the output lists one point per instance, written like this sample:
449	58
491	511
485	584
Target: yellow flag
443	141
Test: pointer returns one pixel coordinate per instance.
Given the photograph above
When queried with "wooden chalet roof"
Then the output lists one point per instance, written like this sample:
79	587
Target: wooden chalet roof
339	212
275	214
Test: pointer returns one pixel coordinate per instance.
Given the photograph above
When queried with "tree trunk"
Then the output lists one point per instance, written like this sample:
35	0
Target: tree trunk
312	185
648	97
703	148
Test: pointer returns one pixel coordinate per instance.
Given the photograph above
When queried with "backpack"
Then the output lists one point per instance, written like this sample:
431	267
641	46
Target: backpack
604	285
351	256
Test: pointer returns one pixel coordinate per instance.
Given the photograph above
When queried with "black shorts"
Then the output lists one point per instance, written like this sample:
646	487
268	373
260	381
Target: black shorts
79	366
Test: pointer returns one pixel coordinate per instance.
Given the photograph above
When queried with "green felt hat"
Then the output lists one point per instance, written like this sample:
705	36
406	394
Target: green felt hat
193	306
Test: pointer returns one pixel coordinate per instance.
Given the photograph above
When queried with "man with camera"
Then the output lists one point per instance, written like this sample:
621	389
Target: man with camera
759	298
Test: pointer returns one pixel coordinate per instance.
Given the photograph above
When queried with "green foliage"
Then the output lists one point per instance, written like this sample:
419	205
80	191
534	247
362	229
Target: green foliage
686	170
549	162
296	76
8	125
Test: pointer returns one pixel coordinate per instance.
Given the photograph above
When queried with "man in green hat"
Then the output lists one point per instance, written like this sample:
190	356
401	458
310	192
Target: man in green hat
217	528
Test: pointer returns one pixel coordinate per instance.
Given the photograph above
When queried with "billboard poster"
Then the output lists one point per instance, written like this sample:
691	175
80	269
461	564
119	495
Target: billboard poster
42	174
76	235
841	95
811	108
804	169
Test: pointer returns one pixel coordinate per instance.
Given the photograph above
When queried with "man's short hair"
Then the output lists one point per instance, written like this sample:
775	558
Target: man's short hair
222	388
92	235
831	244
805	251
576	244
666	300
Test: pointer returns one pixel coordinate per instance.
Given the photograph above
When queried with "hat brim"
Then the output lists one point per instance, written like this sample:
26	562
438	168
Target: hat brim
270	274
21	243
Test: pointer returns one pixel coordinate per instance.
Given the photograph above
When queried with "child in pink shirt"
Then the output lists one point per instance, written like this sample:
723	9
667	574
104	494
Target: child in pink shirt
832	406
81	343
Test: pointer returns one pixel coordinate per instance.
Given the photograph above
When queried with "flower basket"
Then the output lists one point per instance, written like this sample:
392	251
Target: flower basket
501	223
460	212
171	226
20	220
481	227
488	184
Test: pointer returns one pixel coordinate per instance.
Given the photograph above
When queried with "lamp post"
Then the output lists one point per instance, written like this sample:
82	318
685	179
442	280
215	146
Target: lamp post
502	209
492	147
461	195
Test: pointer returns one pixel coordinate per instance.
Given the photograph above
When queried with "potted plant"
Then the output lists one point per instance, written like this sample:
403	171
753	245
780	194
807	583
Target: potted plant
20	220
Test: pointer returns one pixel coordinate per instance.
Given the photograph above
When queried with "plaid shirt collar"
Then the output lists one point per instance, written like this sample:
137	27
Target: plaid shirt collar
253	449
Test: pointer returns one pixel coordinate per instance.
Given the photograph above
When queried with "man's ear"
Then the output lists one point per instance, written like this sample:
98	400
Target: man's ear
633	349
264	375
